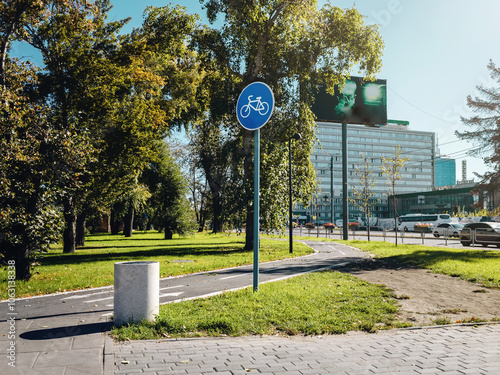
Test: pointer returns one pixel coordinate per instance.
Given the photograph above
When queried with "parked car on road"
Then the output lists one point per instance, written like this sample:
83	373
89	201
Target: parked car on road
486	233
447	229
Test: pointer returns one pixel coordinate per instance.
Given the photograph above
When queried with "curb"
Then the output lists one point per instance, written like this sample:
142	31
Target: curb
108	356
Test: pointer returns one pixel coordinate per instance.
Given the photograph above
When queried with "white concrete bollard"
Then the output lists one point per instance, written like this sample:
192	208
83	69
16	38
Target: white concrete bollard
137	292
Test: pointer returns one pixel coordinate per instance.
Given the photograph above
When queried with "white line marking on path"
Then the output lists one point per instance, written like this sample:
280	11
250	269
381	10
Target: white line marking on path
232	277
172	287
97	300
334	248
171	294
84	295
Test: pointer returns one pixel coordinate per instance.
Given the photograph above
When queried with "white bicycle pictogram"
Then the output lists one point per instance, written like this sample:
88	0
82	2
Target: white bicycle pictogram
256	105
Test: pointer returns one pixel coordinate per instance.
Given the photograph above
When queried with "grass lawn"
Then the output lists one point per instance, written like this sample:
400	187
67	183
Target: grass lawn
92	265
317	303
479	266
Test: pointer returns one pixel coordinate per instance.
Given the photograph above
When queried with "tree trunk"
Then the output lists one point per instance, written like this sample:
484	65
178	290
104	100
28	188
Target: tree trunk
129	222
22	257
395	218
201	223
248	176
114	222
69	235
367	215
217	209
168	234
80	230
249	231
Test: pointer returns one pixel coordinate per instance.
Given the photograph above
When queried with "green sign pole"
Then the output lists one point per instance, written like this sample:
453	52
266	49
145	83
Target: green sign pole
256	188
345	192
254	109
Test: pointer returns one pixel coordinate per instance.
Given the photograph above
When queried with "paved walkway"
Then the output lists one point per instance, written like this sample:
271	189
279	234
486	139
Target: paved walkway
443	350
68	333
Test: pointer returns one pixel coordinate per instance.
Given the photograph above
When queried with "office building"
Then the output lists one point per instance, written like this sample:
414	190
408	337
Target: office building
445	171
373	143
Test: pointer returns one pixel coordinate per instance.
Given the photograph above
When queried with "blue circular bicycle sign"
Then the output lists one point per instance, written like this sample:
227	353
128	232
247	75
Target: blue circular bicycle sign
255	106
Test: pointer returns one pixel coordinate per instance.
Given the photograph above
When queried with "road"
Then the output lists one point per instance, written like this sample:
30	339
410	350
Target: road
406	238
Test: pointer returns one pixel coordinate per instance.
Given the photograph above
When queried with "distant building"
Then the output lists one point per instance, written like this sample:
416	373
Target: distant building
374	143
445	171
445	200
462	197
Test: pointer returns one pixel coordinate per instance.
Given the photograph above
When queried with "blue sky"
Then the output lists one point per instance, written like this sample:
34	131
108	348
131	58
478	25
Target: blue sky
436	53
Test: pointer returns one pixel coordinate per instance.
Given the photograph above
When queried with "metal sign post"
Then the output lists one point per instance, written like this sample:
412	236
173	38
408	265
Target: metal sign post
345	191
254	108
256	204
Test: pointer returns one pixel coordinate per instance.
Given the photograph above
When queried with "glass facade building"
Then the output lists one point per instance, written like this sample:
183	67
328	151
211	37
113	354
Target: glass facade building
446	171
450	200
373	143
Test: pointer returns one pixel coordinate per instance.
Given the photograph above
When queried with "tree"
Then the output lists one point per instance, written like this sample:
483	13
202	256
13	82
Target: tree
14	16
212	148
293	47
363	191
172	212
29	220
163	75
485	131
199	192
78	80
391	167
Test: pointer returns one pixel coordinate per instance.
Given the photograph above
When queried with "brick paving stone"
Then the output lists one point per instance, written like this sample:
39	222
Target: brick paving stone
449	349
128	371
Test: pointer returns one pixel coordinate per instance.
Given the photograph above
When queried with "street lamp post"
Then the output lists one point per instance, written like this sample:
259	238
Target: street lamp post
296	136
332	202
332	213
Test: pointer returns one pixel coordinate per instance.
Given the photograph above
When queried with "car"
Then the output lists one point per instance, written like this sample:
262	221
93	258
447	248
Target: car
447	229
483	233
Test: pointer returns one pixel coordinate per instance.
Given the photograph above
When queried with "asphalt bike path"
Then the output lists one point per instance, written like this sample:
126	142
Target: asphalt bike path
67	333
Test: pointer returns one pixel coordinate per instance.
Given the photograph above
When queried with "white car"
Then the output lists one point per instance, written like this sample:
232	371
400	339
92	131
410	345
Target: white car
449	229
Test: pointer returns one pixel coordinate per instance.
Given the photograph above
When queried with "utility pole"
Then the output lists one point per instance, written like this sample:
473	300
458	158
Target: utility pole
331	190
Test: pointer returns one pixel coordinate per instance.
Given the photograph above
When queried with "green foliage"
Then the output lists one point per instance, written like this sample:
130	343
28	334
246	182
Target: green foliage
318	303
292	46
97	109
162	76
29	221
172	212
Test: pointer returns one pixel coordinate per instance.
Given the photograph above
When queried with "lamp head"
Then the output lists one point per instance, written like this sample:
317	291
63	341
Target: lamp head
296	136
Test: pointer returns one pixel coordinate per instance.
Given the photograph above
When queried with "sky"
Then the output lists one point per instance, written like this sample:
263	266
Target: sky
436	53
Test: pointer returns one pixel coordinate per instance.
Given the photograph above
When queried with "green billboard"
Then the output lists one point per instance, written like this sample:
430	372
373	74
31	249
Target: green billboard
359	102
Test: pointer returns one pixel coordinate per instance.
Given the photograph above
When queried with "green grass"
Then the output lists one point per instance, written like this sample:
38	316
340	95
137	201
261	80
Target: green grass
92	265
317	303
479	266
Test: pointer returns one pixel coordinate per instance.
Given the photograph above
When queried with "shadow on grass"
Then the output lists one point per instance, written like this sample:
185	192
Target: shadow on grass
164	246
422	259
147	252
428	258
